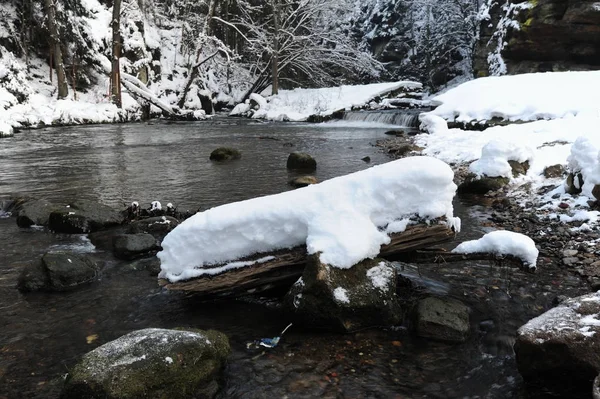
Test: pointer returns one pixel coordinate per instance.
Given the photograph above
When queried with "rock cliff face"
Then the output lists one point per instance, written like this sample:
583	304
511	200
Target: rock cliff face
537	36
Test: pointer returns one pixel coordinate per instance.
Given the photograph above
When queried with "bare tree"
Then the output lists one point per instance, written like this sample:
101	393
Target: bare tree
115	74
61	77
299	44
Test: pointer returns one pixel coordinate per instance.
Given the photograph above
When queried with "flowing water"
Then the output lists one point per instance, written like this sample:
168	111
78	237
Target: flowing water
42	335
401	117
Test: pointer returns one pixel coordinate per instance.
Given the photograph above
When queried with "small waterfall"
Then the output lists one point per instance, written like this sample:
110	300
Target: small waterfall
397	117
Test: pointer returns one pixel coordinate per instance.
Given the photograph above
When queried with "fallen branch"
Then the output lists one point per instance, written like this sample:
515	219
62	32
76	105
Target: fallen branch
440	256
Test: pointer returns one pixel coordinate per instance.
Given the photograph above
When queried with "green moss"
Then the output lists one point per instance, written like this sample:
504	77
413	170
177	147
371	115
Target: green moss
527	23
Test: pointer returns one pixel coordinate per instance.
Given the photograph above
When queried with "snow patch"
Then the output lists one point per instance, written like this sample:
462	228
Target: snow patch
381	275
341	295
503	243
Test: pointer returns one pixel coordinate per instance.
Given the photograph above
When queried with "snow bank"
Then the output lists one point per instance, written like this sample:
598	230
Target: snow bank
299	104
343	218
495	156
503	243
526	97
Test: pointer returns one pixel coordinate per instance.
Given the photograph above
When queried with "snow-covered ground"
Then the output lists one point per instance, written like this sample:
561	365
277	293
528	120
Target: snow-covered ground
299	104
346	219
552	111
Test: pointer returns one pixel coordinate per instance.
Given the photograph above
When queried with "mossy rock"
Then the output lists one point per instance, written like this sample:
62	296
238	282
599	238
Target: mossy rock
301	161
473	185
345	299
225	154
152	363
442	319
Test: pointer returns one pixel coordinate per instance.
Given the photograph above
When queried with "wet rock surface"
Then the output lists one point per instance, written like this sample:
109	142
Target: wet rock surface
35	212
442	319
302	181
61	271
561	348
345	299
152	363
83	216
132	246
225	154
301	161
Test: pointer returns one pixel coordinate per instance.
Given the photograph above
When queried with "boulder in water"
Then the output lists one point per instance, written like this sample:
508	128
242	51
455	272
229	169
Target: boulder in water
132	246
225	154
152	363
442	319
345	299
301	161
560	349
35	212
58	271
483	185
83	216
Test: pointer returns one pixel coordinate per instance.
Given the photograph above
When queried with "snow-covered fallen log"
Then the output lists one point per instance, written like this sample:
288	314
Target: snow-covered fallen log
262	272
346	220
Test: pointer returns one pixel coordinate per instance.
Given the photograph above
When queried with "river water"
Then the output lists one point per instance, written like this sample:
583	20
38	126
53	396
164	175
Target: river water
42	335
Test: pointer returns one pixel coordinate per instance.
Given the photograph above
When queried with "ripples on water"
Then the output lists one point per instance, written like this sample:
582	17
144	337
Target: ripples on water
43	335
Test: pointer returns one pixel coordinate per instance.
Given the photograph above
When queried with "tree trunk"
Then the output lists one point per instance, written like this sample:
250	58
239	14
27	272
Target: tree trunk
61	78
275	55
115	75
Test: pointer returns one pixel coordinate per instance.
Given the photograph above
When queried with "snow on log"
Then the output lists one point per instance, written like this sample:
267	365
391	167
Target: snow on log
503	243
138	91
346	219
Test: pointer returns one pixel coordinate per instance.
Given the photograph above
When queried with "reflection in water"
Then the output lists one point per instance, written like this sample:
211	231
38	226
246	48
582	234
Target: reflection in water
43	335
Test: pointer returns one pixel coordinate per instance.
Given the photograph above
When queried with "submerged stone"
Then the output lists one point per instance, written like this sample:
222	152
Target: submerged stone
301	161
303	181
225	154
442	319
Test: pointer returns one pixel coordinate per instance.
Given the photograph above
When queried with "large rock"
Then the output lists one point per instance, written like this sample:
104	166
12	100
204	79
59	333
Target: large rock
225	154
553	35
301	161
442	319
574	183
345	299
58	271
158	226
83	216
560	349
151	363
36	212
132	246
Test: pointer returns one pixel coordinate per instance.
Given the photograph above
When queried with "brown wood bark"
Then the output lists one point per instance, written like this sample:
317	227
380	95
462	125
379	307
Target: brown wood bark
61	77
288	265
115	75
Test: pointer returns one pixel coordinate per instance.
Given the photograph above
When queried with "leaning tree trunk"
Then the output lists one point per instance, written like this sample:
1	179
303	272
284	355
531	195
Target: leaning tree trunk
115	75
61	77
275	56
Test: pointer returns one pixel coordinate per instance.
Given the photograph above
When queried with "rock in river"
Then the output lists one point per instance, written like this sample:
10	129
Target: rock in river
225	154
36	212
151	363
301	161
58	271
83	216
561	348
303	181
345	299
132	246
442	319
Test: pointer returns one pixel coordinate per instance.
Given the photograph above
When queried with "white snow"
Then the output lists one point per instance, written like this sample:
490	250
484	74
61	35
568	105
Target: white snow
525	97
381	275
341	295
502	243
495	156
343	218
299	104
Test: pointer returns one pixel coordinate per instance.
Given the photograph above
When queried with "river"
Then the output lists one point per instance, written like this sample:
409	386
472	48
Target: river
42	335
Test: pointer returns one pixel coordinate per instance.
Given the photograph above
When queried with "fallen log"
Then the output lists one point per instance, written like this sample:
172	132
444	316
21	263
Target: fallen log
286	266
441	256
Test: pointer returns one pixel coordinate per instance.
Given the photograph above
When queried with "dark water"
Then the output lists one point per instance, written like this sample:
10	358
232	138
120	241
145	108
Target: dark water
43	335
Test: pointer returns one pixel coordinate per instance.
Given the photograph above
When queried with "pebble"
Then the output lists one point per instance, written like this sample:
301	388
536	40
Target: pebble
570	260
570	253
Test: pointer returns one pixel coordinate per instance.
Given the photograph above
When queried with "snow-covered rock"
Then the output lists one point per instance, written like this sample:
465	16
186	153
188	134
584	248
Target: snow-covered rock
154	363
495	157
561	347
344	218
503	242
